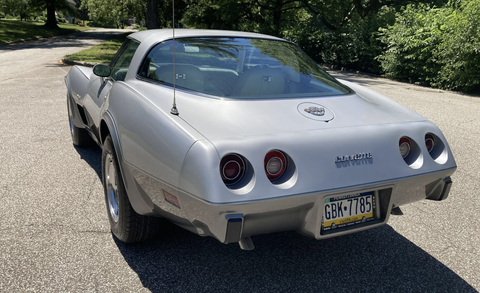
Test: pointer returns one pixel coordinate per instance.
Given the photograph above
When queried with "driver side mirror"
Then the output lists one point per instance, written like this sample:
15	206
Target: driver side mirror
102	70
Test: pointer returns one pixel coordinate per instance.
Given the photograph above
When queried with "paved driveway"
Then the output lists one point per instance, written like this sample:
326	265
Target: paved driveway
54	233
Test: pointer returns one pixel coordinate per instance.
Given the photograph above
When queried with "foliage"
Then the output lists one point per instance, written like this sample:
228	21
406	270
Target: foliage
460	50
352	42
354	45
264	16
435	46
23	8
113	13
109	13
412	43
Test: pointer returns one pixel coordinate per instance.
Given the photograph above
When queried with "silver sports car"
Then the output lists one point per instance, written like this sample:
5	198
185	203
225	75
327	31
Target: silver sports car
232	134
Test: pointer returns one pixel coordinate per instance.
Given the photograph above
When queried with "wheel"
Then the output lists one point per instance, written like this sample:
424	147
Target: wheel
125	223
80	136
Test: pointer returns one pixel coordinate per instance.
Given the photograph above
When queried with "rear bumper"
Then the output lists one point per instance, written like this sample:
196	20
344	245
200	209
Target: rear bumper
231	222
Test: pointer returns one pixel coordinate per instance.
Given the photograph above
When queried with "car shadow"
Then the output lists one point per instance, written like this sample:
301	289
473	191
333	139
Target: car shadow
378	260
93	157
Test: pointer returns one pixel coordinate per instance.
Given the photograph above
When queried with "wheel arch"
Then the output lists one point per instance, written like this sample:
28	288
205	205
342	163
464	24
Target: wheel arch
104	131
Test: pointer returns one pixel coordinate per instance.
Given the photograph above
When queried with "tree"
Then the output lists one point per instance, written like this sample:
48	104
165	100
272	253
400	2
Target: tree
266	16
51	18
22	8
335	14
110	13
82	12
152	14
52	6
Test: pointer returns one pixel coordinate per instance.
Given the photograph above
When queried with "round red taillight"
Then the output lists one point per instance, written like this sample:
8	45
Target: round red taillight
232	169
429	142
275	164
405	146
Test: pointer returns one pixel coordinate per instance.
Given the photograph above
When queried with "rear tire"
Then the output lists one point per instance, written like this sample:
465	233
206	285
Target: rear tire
125	223
80	136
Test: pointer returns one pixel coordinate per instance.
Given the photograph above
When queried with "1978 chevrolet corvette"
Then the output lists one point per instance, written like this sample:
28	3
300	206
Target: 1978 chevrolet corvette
232	134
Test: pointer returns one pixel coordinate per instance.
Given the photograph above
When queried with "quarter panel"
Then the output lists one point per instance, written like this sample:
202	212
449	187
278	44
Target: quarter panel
149	140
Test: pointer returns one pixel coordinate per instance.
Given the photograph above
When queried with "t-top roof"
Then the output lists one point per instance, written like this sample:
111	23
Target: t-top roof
159	35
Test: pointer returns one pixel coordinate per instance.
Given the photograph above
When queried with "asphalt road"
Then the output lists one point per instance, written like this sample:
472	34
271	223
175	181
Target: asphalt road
54	233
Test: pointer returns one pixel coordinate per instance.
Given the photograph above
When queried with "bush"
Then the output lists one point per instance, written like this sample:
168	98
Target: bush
435	46
460	50
41	19
8	16
354	45
413	44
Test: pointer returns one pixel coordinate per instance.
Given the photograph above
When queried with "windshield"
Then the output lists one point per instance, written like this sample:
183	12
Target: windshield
239	68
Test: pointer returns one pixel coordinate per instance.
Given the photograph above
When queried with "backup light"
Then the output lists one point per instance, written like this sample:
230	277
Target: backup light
405	146
275	164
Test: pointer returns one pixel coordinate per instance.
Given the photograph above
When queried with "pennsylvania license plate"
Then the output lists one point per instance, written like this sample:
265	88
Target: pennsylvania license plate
346	210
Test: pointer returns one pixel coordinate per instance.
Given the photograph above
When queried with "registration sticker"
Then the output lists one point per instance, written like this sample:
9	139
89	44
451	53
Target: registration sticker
346	210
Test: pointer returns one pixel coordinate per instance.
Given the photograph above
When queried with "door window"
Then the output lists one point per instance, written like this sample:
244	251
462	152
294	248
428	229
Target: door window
122	60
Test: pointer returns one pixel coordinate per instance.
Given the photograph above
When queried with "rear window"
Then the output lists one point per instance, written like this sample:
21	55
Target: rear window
239	68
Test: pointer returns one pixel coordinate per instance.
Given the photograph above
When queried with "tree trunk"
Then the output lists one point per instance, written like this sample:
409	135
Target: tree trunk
51	18
277	17
152	14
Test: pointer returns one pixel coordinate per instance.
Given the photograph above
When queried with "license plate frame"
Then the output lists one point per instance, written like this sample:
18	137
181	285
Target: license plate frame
337	210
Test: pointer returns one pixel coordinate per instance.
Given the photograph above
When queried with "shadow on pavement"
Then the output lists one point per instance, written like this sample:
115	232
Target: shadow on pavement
93	156
70	40
379	260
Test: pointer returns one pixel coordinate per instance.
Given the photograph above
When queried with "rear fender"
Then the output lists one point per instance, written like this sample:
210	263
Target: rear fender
140	202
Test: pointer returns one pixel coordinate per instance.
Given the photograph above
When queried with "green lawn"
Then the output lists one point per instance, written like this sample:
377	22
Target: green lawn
15	30
102	53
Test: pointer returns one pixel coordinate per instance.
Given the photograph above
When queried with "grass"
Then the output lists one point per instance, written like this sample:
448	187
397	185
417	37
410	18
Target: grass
102	53
16	30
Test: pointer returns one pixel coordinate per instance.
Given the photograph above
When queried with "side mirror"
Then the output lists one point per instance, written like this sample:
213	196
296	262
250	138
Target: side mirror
102	70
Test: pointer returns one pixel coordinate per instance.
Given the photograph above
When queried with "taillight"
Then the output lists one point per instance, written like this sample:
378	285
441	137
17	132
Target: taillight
405	146
429	142
275	164
232	168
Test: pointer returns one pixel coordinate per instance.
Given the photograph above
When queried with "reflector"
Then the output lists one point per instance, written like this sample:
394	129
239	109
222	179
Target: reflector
429	142
232	169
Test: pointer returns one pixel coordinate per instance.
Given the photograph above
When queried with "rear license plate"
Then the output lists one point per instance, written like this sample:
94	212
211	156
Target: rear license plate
346	210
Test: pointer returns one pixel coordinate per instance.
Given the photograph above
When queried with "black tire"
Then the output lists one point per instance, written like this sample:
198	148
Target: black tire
80	137
125	223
